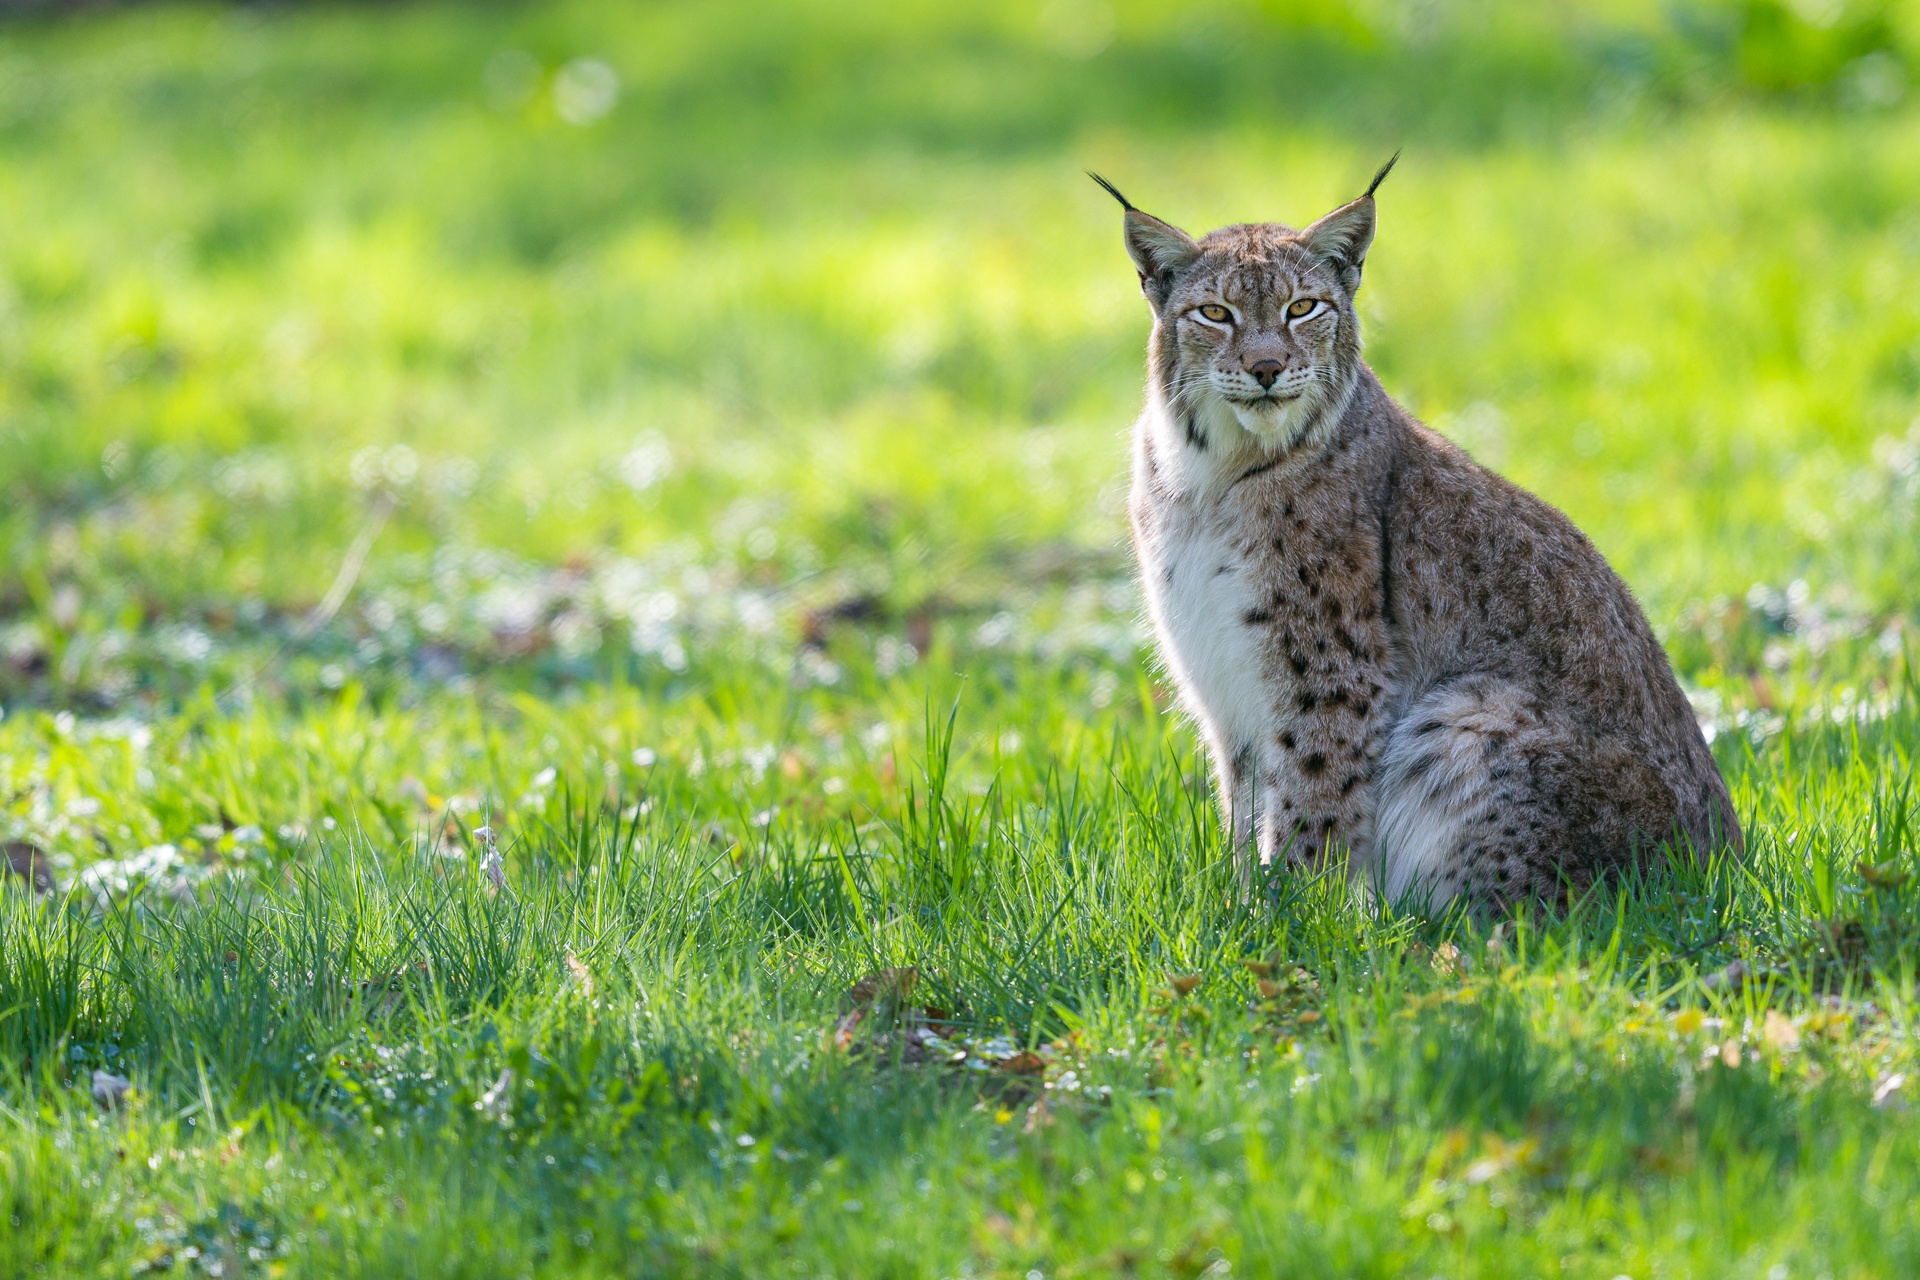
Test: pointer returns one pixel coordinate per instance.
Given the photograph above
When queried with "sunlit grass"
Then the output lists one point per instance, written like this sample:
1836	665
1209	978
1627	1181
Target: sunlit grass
737	454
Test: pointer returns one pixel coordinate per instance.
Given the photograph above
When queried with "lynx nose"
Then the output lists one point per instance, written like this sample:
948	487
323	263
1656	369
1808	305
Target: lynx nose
1265	372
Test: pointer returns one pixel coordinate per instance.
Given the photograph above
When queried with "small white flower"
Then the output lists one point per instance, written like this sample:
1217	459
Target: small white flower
495	1101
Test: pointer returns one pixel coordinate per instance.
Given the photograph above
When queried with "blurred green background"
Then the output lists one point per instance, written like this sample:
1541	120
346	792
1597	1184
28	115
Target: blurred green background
680	335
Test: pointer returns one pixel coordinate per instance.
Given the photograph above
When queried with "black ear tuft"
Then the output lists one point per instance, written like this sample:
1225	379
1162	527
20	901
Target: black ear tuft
1372	187
1111	190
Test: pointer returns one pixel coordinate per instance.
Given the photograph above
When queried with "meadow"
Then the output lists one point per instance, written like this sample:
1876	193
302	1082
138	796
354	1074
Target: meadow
572	701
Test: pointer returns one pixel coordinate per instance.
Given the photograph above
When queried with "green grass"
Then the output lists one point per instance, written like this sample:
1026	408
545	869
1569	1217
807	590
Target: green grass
713	491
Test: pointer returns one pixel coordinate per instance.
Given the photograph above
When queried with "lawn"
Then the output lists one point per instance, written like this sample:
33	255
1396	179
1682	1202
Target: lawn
566	642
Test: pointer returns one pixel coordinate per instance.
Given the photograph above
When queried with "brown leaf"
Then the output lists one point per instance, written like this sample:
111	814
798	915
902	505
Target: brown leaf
1731	978
1885	876
1023	1064
29	861
884	984
882	993
843	1029
1184	983
578	974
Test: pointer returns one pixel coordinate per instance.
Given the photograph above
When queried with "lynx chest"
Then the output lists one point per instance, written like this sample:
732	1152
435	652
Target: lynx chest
1204	598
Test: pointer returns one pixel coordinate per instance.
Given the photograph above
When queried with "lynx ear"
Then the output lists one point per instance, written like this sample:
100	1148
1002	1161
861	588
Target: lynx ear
1159	249
1342	238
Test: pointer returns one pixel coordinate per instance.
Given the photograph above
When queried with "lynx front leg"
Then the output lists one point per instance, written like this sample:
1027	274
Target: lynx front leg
1315	801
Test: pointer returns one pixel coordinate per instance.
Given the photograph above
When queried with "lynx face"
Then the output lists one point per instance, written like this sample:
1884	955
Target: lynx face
1259	326
1254	327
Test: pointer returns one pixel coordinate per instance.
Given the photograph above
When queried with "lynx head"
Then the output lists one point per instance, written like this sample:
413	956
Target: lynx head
1254	324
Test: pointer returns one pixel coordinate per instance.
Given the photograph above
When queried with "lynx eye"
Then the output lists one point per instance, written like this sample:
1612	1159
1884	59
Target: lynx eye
1216	313
1302	307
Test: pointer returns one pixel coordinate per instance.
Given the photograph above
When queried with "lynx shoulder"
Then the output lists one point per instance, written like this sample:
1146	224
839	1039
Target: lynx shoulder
1395	657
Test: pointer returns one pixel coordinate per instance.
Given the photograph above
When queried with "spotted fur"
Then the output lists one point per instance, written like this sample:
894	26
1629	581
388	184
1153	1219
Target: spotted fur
1395	656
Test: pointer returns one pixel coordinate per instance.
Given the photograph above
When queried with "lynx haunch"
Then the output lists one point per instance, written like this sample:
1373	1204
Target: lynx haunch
1394	656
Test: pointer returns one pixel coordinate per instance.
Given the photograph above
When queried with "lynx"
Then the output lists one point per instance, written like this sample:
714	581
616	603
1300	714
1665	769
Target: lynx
1395	657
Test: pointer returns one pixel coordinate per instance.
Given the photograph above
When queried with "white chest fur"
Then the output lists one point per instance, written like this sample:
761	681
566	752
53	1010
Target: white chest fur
1199	589
1198	595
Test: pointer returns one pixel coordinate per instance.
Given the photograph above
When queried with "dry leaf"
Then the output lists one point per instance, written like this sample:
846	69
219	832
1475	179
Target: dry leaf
1259	968
1184	983
1731	978
1779	1033
883	984
492	865
1885	876
578	973
1268	990
29	861
885	989
110	1090
1023	1064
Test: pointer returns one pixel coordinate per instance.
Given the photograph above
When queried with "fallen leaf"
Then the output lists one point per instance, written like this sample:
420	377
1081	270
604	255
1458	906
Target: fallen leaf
492	865
1023	1064
1270	989
1259	968
110	1090
883	989
29	861
884	983
843	1029
1887	877
1184	983
1731	978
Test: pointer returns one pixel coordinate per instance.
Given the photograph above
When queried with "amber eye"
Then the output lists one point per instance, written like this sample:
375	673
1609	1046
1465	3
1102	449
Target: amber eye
1216	313
1301	306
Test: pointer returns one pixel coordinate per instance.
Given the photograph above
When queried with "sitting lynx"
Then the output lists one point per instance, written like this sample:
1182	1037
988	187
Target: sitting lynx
1393	655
